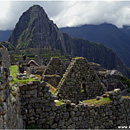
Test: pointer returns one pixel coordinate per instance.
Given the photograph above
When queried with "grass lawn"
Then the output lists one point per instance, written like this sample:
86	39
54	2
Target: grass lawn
96	102
13	72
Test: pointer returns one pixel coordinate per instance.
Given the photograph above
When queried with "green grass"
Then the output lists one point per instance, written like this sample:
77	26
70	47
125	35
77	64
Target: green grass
31	126
52	89
59	103
82	91
126	97
96	102
13	72
79	58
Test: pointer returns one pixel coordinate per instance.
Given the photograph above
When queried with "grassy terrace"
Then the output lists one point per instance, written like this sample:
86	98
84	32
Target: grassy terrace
13	72
96	102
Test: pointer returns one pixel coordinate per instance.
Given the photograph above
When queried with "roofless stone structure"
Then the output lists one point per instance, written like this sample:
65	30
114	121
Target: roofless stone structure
55	66
80	82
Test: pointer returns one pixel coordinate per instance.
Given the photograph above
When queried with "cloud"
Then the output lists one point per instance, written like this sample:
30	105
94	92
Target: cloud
69	13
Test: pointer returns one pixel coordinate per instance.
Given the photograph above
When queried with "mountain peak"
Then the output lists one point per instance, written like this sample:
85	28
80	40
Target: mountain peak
36	9
35	30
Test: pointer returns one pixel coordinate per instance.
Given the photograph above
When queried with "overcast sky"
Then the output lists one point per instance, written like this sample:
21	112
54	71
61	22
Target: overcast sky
66	13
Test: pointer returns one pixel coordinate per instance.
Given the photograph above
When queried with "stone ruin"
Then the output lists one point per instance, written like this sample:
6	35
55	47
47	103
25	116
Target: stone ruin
55	66
80	82
30	66
9	103
32	105
4	57
54	72
110	78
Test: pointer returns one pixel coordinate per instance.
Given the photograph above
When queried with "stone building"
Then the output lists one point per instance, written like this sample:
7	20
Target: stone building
32	63
54	72
80	82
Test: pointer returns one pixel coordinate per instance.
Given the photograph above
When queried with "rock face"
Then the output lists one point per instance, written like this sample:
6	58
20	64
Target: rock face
35	30
80	82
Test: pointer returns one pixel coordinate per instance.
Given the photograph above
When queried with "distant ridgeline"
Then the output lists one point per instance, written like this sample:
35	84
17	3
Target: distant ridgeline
4	35
35	30
107	34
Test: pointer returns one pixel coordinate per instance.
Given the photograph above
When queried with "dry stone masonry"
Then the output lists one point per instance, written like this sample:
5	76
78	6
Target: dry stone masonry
40	111
4	57
80	82
32	105
10	115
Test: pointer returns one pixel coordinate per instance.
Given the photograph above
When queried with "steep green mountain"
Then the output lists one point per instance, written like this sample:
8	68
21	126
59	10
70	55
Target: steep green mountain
35	30
7	45
4	35
107	34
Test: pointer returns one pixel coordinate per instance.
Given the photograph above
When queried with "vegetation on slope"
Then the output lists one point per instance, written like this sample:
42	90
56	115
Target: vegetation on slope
59	102
52	89
8	45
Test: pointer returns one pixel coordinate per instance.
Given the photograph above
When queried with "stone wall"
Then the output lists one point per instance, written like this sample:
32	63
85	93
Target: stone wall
37	105
80	82
40	111
10	115
4	57
52	79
